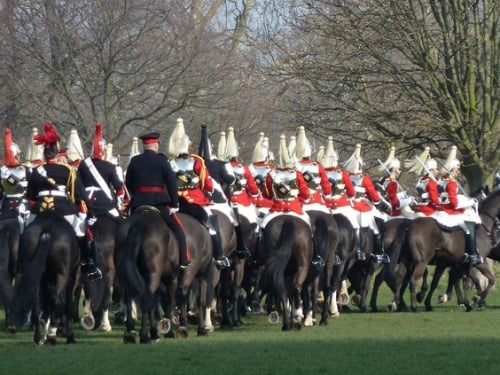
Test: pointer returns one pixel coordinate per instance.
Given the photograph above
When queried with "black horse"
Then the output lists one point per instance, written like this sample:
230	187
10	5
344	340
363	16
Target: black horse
9	247
147	261
427	240
50	257
288	254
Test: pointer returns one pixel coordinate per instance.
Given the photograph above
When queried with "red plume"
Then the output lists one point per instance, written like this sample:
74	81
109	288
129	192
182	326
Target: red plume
50	136
98	145
9	159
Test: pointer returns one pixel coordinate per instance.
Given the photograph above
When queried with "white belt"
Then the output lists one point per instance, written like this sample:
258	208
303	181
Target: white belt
20	195
93	189
54	193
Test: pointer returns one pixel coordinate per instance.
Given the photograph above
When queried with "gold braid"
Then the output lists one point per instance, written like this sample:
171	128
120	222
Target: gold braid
203	171
70	184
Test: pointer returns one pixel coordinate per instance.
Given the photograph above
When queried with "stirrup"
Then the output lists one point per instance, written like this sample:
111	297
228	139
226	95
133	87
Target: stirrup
318	262
243	253
337	260
95	274
381	258
222	262
473	259
184	266
360	255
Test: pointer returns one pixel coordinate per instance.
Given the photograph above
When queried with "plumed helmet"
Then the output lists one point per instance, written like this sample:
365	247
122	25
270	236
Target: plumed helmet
75	149
205	147
354	164
284	159
231	145
221	146
291	147
35	152
451	162
321	154
331	158
134	148
416	165
431	164
179	142
99	144
303	146
259	152
49	139
109	151
391	161
9	150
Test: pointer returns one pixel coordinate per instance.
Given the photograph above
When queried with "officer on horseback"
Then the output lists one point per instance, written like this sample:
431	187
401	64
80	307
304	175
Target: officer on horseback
464	209
103	185
150	181
193	181
14	180
366	201
317	181
259	168
55	189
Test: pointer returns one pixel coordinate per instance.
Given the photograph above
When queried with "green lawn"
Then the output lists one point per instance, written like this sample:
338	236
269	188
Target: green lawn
444	341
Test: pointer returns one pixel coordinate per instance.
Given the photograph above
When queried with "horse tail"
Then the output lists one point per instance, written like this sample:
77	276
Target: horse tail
279	257
128	272
321	237
400	241
28	286
6	290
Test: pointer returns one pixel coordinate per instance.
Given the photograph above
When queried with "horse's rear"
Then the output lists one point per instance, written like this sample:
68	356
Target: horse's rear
50	257
147	259
9	246
288	254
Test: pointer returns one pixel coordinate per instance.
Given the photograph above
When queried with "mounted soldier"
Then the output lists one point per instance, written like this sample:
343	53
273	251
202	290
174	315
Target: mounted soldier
366	201
103	185
193	182
259	168
317	181
150	181
401	202
55	189
14	180
458	206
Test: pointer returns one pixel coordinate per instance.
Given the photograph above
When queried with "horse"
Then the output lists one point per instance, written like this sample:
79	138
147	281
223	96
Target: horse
202	270
288	254
426	240
147	261
346	253
10	233
50	258
98	292
325	239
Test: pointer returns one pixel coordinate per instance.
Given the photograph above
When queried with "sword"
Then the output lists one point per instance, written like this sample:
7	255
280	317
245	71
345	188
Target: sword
389	173
426	169
458	184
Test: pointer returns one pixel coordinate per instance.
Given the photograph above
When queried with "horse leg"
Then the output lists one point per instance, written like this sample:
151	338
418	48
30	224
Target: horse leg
225	293
70	336
379	278
400	277
486	270
418	271
424	287
87	321
438	272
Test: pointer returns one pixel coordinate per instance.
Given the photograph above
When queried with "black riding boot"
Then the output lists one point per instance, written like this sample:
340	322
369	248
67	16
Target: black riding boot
360	255
241	248
221	261
472	256
89	259
379	253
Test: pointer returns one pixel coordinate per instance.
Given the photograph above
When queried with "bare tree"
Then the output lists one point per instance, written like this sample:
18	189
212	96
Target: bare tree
415	72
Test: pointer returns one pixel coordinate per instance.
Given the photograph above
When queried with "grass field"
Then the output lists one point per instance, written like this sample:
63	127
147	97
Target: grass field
444	341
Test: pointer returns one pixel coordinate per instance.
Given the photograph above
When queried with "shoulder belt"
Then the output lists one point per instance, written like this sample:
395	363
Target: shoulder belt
97	176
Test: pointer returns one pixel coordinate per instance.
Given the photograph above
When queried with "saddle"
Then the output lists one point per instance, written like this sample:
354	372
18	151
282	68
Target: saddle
146	208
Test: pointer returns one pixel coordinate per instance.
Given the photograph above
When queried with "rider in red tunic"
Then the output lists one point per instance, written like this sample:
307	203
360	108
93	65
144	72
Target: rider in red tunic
193	182
365	202
464	209
427	188
259	169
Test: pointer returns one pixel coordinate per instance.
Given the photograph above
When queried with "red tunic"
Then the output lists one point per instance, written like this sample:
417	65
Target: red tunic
293	204
432	199
392	194
368	191
450	206
249	188
263	199
196	195
339	197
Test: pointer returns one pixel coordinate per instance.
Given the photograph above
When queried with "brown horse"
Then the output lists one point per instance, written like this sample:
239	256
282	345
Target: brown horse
98	292
9	247
202	269
427	240
49	257
147	261
287	242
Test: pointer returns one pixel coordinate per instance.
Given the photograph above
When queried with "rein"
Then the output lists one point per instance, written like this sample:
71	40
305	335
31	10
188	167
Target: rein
492	232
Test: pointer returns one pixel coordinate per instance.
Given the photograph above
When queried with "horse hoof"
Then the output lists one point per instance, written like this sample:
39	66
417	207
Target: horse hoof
356	300
274	317
202	332
182	333
164	326
335	315
323	322
442	299
51	340
391	307
343	299
129	337
105	328
297	326
87	322
11	330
